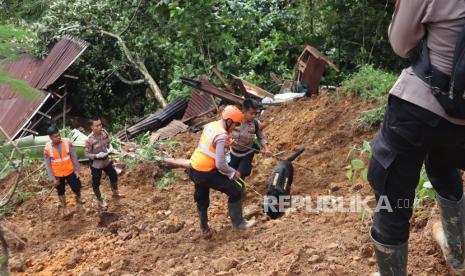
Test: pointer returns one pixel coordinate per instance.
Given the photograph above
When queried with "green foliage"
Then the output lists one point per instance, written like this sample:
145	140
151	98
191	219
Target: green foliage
424	190
12	40
369	83
167	178
248	38
16	11
357	169
174	38
371	118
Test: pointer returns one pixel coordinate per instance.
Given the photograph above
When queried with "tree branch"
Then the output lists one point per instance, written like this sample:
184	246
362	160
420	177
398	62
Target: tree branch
129	82
136	61
132	19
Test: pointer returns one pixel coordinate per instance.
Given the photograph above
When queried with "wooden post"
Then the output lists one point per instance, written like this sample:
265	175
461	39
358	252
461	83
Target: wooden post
64	111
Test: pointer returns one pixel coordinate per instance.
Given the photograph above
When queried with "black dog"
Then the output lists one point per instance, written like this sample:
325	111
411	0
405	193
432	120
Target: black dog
280	185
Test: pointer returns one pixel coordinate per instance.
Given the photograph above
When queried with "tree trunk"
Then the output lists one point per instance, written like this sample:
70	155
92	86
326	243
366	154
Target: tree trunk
152	84
141	67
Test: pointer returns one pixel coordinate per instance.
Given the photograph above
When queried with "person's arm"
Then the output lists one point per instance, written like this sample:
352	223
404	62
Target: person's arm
407	29
221	164
74	158
88	152
263	141
48	167
261	136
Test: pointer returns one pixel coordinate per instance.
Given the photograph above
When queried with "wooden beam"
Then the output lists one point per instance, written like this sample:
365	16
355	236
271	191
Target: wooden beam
220	77
70	77
44	115
31	131
49	110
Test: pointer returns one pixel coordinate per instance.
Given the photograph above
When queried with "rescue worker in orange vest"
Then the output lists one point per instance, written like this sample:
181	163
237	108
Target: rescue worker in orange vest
62	165
210	170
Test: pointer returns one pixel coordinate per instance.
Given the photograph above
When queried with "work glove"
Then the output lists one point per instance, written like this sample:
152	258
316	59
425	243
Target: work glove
101	155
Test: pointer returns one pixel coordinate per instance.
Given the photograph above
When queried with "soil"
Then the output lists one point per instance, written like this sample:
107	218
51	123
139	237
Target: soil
155	232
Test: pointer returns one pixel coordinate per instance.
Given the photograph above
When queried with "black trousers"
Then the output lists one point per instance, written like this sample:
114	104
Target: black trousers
97	176
409	136
73	182
204	181
242	164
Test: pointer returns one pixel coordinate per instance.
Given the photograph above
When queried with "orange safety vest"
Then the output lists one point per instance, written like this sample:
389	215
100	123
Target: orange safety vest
61	165
204	157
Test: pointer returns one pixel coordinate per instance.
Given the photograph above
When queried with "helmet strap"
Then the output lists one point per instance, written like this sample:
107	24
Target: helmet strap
228	123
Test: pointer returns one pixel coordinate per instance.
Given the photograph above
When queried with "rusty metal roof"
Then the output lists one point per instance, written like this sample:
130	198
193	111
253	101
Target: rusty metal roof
199	103
169	131
17	111
208	87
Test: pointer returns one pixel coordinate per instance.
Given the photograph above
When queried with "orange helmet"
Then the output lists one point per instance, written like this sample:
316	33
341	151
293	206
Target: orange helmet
233	113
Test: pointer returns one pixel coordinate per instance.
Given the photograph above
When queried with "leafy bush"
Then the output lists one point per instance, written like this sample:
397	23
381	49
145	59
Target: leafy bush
357	170
369	83
371	118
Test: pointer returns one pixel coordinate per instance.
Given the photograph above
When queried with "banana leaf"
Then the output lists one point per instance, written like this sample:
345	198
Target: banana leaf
33	146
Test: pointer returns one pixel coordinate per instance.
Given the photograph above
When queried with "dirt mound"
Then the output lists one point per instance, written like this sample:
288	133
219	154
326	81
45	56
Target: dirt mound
155	232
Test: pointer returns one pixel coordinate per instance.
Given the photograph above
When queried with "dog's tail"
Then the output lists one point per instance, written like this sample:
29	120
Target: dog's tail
295	155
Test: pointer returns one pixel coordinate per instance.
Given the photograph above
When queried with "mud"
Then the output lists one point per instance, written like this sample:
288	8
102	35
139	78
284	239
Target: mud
155	232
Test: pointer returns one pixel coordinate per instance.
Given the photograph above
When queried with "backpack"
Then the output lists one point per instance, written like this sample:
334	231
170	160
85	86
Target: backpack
280	185
448	90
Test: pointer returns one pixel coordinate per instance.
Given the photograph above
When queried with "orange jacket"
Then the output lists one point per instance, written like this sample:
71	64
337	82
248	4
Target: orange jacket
61	165
204	157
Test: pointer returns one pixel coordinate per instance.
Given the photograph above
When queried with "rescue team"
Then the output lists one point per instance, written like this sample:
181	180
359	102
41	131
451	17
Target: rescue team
209	168
424	123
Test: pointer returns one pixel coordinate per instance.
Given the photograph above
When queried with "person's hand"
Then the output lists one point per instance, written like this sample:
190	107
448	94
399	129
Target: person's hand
78	173
267	152
237	175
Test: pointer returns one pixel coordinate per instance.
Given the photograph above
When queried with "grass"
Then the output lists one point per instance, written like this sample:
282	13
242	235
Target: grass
369	83
372	85
371	118
168	178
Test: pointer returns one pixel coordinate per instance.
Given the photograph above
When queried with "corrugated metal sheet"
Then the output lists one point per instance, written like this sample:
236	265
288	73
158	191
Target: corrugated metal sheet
157	120
199	103
208	87
18	111
169	131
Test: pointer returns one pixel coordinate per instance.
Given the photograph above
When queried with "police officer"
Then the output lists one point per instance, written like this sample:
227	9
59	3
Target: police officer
98	148
417	129
209	170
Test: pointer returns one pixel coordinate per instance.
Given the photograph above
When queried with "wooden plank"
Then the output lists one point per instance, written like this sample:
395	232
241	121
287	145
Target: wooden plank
312	74
249	88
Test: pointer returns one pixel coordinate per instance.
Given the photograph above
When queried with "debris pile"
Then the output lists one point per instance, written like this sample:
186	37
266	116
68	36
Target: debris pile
207	98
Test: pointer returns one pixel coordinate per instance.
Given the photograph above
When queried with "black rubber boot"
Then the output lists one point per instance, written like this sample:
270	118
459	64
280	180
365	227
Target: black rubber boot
203	221
237	220
449	233
391	259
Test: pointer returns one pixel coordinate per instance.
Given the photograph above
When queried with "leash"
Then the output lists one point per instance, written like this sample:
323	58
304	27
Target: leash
275	156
